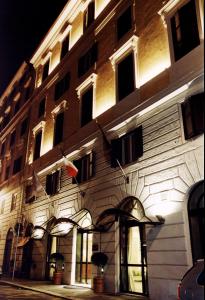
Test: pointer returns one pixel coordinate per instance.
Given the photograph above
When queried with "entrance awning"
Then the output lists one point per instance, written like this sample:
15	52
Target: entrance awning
110	215
23	241
62	226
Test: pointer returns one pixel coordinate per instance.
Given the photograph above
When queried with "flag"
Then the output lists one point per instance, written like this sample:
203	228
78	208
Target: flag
70	167
37	186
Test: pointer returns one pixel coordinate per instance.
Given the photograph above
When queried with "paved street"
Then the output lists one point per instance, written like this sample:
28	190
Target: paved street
10	292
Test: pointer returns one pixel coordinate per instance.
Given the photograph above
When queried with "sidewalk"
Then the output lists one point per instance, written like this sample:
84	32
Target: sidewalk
66	291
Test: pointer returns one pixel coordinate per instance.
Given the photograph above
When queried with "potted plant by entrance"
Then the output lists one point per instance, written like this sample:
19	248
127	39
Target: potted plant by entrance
58	260
99	259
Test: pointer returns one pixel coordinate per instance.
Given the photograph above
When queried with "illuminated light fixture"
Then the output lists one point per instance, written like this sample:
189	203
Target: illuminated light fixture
38	232
62	227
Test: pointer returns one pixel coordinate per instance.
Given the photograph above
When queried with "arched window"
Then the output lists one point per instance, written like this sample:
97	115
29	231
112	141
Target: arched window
196	220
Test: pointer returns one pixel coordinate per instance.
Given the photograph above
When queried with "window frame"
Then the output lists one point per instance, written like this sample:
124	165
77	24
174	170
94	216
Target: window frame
17	165
89	14
86	168
117	23
131	46
53	182
168	11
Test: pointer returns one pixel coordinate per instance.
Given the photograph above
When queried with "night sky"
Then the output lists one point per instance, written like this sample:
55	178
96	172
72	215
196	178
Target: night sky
23	25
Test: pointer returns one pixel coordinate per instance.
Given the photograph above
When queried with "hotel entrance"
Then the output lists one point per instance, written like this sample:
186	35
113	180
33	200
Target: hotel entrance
133	260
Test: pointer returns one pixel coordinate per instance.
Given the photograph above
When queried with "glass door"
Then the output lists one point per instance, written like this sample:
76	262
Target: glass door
83	257
133	263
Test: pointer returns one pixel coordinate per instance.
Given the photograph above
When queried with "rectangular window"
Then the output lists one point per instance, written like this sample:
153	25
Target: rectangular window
127	148
87	107
65	47
62	86
2	206
41	108
53	182
3	148
89	15
184	29
29	194
13	202
17	165
17	107
7	172
193	116
58	131
12	138
37	148
124	23
126	77
86	167
45	71
88	60
24	126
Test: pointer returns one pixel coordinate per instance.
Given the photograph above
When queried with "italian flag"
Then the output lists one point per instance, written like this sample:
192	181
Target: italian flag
72	171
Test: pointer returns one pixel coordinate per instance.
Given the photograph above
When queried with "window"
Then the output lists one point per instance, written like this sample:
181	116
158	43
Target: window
37	148
24	126
17	107
87	107
87	60
12	138
196	220
27	93
125	77
45	71
29	193
127	148
89	15
58	131
193	116
184	29
17	165
41	108
86	167
7	172
3	148
62	86
13	202
2	206
53	182
65	47
124	23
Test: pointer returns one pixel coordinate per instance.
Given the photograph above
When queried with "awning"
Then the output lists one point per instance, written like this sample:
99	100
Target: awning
110	215
62	226
23	241
38	232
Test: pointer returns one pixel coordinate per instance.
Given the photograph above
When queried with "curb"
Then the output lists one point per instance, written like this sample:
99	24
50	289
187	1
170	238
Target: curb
26	287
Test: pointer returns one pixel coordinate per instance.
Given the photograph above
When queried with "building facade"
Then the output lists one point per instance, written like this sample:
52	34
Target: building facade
116	87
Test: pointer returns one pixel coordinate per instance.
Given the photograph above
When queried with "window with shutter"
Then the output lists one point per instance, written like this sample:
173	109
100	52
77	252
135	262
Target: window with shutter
41	108
87	107
89	15
86	61
126	77
53	183
17	165
124	23
45	71
127	148
184	27
65	47
37	148
193	116
86	167
62	86
24	126
29	194
58	132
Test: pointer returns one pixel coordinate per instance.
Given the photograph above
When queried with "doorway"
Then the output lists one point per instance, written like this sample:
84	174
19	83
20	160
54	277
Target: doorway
6	268
133	259
83	257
